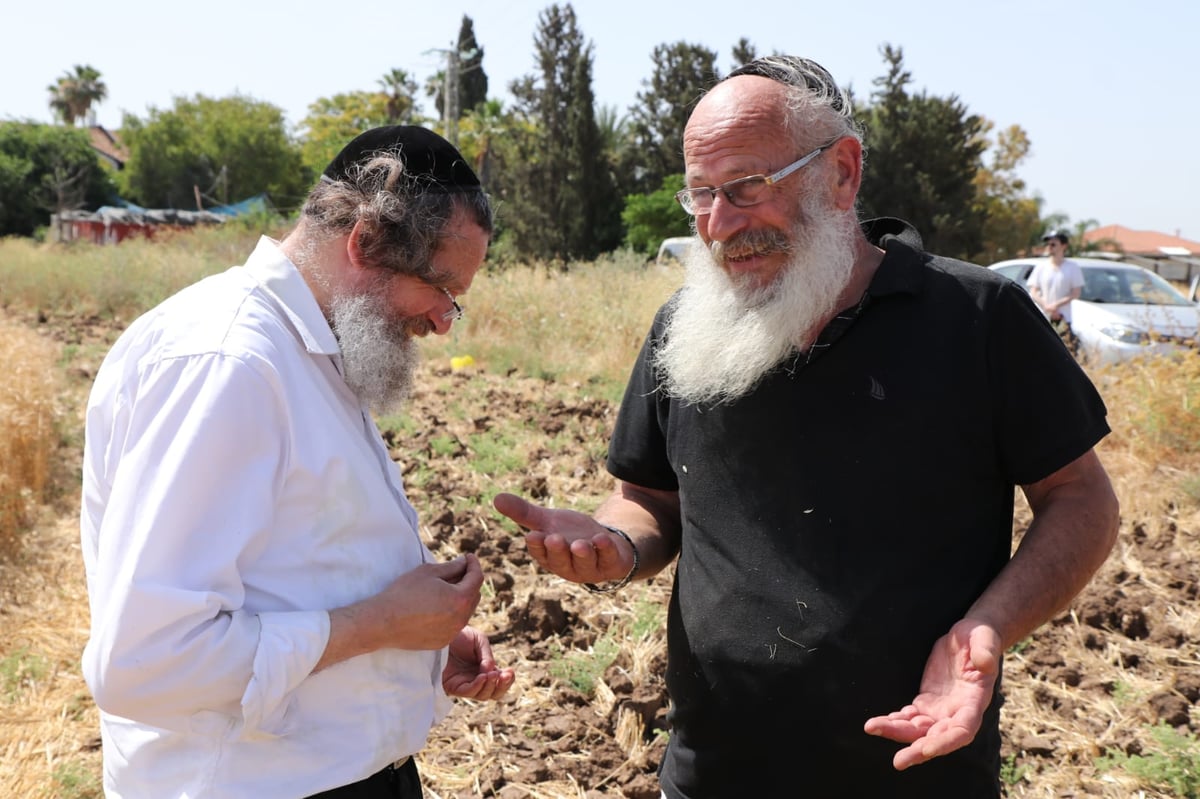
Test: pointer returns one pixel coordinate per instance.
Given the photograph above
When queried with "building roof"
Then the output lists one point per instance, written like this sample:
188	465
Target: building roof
108	145
1141	242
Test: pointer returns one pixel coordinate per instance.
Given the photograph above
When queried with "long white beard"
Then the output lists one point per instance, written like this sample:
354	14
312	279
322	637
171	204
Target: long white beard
379	355
724	338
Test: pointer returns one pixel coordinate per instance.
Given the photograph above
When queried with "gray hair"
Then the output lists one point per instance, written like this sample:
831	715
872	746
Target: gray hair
404	218
819	110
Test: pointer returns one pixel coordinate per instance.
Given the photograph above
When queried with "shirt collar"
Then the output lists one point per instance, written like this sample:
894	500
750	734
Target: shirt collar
283	281
902	270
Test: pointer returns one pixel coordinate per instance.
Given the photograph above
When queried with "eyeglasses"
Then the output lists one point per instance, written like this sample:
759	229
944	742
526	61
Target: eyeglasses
742	192
456	312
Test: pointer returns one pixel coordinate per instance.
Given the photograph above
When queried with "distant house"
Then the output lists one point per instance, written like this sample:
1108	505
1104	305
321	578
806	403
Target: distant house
1172	257
1142	242
108	146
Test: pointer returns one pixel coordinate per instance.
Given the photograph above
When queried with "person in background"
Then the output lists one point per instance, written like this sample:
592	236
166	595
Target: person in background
823	434
1055	283
265	618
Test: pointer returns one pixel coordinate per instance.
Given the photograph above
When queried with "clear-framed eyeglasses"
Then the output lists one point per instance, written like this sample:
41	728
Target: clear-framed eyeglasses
456	311
741	192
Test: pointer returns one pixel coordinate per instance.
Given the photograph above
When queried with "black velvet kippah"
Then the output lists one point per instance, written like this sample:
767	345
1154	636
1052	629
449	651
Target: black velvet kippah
427	157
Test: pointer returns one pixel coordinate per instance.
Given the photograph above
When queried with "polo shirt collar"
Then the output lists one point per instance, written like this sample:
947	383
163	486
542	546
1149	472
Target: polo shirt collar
902	270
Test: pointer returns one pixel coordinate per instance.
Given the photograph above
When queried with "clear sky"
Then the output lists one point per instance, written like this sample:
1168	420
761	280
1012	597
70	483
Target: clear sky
1106	89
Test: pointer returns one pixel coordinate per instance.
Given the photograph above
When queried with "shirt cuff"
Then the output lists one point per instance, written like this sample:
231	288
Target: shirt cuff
289	646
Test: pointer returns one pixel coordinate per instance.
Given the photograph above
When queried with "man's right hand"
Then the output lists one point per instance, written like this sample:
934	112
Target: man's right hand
428	606
422	609
570	544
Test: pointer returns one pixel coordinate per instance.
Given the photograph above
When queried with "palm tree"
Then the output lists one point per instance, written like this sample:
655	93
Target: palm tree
480	125
399	88
72	97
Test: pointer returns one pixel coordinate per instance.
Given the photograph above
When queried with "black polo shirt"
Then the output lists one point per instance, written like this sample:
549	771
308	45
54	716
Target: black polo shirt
842	517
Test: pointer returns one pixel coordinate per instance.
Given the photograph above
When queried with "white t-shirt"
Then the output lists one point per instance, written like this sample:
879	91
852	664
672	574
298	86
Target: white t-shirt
1056	282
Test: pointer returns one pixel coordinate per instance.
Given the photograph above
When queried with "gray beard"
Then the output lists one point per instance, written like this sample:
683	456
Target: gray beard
379	355
723	338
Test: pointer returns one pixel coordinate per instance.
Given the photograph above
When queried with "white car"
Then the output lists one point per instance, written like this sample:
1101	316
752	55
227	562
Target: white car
1124	310
674	248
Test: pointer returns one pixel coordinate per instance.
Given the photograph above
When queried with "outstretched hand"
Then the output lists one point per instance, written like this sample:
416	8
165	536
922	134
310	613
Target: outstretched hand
570	544
956	689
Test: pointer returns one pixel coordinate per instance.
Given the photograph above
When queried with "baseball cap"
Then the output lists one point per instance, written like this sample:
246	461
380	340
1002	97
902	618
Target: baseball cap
427	156
1056	233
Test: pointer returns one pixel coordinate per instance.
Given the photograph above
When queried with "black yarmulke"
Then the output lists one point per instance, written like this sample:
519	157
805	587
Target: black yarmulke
426	155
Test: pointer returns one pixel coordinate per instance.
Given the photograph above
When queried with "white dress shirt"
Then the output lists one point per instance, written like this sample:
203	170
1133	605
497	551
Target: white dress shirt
234	491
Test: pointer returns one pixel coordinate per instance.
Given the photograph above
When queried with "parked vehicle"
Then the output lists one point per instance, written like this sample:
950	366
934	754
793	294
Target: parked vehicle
673	249
1124	310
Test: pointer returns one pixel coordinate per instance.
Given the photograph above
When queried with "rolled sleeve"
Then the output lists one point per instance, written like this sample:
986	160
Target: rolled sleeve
290	644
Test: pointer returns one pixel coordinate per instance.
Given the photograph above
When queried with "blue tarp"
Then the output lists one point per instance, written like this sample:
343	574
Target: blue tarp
252	205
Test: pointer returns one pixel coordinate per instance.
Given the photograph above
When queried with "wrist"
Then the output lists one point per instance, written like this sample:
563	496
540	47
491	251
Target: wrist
624	581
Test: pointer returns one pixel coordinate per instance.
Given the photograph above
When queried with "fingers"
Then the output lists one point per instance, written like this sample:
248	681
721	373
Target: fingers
523	513
905	725
940	740
450	571
464	572
488	686
472	647
589	559
927	738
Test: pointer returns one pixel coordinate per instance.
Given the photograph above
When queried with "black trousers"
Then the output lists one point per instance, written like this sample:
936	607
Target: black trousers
391	783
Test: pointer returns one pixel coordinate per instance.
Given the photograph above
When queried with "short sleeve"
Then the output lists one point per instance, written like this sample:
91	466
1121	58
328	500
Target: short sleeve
1048	411
638	449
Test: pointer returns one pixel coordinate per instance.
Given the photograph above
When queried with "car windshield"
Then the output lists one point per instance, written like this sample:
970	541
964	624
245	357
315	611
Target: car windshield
1128	287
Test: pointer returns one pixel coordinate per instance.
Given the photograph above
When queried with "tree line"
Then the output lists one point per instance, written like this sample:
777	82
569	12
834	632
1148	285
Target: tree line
573	179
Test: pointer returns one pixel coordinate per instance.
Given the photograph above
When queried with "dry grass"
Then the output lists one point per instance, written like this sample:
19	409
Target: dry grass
583	325
29	413
49	745
83	279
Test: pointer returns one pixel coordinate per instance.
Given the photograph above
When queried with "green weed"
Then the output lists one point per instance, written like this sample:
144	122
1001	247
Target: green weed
495	453
581	670
76	780
1010	772
647	619
1175	766
444	446
1124	694
1190	488
19	671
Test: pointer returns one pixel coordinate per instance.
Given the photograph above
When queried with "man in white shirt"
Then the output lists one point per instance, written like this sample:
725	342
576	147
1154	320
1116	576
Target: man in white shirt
1055	283
266	621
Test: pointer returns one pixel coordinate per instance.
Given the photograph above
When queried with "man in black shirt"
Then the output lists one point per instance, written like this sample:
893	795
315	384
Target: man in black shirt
825	427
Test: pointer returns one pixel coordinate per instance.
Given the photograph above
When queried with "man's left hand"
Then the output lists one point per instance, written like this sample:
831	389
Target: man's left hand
471	670
956	689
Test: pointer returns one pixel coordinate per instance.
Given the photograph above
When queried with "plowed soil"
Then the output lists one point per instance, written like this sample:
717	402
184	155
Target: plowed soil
587	715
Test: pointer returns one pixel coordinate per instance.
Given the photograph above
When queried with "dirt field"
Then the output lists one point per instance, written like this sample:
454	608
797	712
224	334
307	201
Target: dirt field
586	718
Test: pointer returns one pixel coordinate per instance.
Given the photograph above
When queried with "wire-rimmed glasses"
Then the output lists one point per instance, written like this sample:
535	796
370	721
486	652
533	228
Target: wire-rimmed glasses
741	192
456	311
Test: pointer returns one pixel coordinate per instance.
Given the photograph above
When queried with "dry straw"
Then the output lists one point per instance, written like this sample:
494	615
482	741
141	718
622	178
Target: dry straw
28	425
